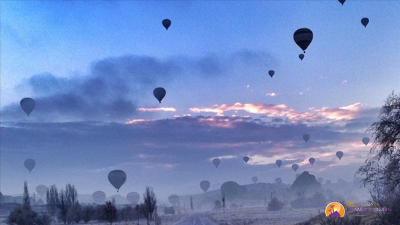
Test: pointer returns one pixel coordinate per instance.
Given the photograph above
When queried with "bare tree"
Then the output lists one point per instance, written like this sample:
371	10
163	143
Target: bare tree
52	200
109	213
151	202
26	200
62	206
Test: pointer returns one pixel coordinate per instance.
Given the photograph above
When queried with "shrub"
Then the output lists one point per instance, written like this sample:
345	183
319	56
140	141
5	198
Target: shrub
275	205
25	215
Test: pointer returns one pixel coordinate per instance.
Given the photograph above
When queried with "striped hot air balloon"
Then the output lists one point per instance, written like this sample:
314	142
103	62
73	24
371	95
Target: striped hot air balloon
303	38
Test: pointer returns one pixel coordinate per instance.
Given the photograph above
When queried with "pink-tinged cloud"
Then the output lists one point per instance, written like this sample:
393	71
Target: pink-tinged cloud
272	94
343	113
135	121
157	109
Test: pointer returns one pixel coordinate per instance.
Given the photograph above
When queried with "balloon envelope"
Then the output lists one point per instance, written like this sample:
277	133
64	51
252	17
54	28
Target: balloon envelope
279	163
301	56
295	167
278	180
339	154
27	104
303	38
99	197
230	190
117	178
159	93
205	185
173	199
342	1
271	73
365	21
41	190
254	179
306	137
246	159
365	140
216	162
166	23
30	164
133	198
312	161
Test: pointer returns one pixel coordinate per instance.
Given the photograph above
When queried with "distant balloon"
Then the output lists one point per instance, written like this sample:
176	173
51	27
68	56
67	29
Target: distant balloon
173	199
41	190
342	1
117	178
271	73
216	162
99	197
246	159
303	38
306	137
159	93
312	161
279	163
365	140
230	190
295	167
133	198
320	180
339	154
205	185
278	180
365	21
301	56
166	23
30	164
254	179
27	104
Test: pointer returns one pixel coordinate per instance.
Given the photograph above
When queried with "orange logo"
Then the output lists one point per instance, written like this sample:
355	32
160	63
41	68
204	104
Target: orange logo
334	209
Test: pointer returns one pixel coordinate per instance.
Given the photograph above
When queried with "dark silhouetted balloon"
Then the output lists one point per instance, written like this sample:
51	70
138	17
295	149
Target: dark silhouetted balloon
365	140
246	159
339	154
27	104
278	180
41	190
230	190
254	179
173	199
216	162
295	167
133	198
279	163
303	38
159	93
166	23
205	185
312	161
306	137
342	1
99	197
365	21
30	164
271	73
301	56
117	178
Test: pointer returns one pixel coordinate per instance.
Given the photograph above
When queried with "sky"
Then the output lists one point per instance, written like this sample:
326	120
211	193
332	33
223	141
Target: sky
92	67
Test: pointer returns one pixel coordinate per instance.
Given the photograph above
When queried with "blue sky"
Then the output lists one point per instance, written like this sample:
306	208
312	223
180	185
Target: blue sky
92	67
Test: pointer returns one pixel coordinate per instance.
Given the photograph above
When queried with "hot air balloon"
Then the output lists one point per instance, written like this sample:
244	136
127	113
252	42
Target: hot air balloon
159	93
306	137
166	23
279	163
173	199
30	164
271	73
365	21
99	197
205	185
339	154
216	162
312	161
342	1
295	167
254	179
301	56
133	198
246	159
230	190
117	178
278	180
365	140
27	104
41	190
303	38
320	180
